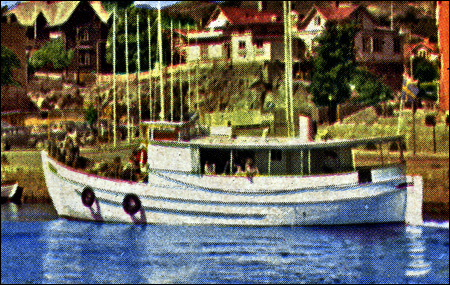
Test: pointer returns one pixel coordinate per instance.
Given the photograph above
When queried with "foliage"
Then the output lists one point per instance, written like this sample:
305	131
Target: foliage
429	91
132	13
9	61
334	65
91	115
424	70
370	90
53	53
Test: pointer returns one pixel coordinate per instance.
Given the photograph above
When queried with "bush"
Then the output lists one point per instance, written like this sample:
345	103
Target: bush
430	120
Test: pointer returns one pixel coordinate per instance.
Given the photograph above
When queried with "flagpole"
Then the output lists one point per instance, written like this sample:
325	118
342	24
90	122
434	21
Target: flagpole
127	79
138	74
161	87
114	78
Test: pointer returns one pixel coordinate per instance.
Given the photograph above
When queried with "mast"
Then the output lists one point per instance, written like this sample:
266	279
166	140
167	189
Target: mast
149	27
189	73
196	73
171	68
138	73
161	86
290	72
181	73
128	81
288	68
114	78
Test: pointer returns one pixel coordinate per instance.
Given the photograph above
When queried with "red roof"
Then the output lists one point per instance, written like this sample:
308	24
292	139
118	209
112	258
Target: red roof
337	13
239	16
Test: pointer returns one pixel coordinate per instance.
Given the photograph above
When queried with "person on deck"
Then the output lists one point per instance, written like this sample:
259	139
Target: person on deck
250	168
210	169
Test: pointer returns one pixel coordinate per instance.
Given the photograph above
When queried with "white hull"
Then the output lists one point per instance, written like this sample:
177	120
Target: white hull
171	198
8	191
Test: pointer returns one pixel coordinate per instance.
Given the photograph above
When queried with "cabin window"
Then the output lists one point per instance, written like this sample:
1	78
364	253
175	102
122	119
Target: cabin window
397	46
378	45
276	155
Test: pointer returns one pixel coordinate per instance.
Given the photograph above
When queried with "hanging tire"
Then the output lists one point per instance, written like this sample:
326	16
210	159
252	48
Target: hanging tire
131	204
88	197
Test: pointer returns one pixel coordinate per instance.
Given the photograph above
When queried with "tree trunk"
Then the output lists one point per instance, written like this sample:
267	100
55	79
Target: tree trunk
332	111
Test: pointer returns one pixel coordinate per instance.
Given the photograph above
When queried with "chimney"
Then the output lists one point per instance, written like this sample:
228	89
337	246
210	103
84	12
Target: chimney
336	4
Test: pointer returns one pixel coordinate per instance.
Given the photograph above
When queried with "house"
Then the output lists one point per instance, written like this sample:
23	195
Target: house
82	24
379	49
240	35
442	22
13	37
423	48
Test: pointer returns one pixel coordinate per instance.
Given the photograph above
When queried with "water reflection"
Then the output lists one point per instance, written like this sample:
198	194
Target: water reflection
80	252
417	265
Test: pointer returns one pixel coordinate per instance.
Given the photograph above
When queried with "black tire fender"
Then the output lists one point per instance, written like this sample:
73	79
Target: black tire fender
131	204
88	197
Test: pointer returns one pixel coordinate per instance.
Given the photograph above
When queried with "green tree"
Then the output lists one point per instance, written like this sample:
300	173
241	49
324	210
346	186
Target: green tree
91	115
53	54
333	66
9	61
425	72
370	90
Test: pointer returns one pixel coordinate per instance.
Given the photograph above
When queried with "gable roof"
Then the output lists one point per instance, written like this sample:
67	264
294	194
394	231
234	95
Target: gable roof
55	13
241	16
333	13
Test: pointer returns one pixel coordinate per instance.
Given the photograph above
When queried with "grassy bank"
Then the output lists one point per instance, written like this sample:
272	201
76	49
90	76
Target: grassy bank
25	167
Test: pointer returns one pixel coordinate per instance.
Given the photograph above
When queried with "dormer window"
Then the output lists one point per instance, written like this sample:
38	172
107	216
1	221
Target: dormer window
422	53
317	21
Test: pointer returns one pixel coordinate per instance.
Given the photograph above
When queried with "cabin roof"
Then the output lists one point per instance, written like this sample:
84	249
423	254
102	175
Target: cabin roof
276	143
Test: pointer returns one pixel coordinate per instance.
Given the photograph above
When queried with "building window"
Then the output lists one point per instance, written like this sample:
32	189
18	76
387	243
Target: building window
241	44
397	46
83	34
317	21
366	44
259	43
377	45
422	53
84	58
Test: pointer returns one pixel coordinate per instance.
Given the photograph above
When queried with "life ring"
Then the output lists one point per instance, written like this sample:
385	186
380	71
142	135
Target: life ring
131	204
88	197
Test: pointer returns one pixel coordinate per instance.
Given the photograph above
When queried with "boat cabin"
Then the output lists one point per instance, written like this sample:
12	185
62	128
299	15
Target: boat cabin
270	156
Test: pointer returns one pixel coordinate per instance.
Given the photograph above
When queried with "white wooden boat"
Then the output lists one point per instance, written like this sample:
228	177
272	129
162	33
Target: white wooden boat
9	189
295	185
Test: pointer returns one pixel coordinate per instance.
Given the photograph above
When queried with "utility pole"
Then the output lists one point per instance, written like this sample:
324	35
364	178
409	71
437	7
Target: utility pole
161	86
114	78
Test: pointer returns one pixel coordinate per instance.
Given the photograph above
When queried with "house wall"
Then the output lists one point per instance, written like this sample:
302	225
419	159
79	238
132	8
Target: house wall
443	45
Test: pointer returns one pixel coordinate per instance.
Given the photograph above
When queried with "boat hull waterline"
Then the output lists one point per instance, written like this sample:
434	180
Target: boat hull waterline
165	200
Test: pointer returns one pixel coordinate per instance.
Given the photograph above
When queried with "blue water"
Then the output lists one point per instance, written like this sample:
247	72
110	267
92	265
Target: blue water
39	248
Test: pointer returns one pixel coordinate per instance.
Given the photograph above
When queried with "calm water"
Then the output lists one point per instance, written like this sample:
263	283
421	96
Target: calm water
51	250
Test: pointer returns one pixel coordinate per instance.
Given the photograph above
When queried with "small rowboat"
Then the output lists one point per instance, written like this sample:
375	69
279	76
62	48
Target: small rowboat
9	189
